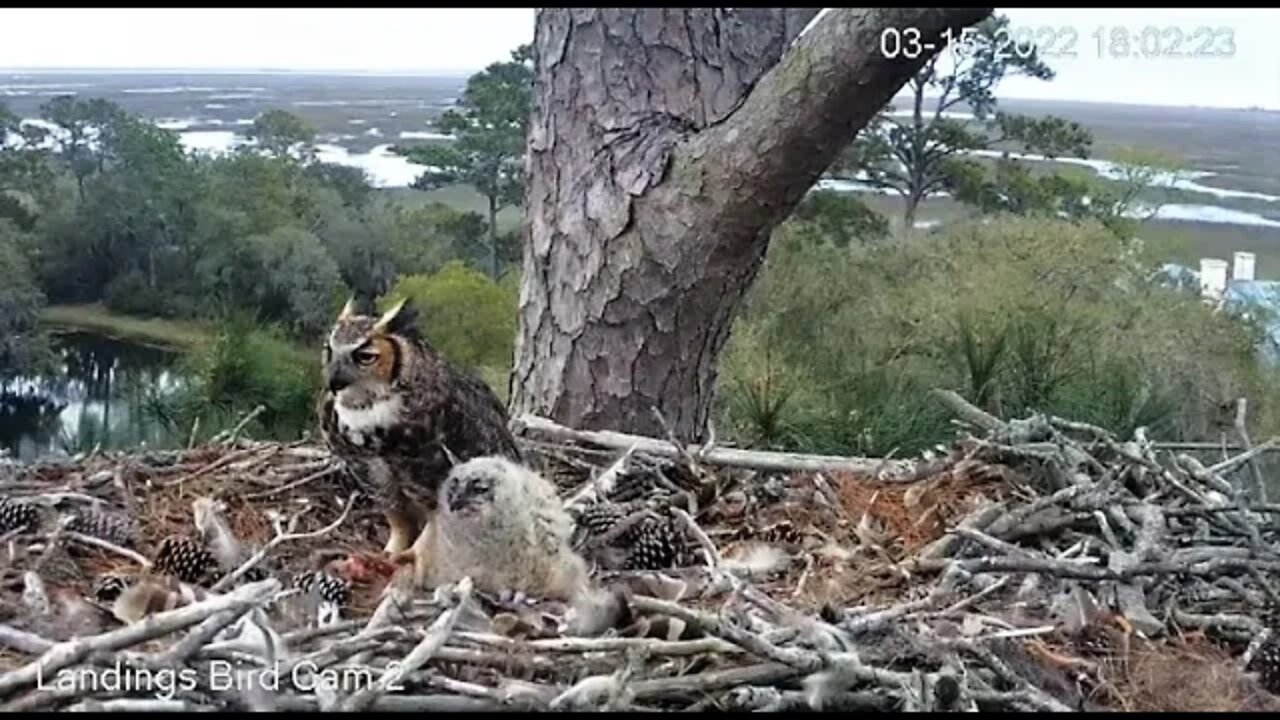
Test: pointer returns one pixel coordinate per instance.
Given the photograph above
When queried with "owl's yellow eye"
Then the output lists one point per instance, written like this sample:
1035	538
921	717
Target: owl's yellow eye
365	357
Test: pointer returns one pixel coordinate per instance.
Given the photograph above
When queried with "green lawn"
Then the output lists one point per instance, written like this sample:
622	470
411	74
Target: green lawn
95	318
459	197
1186	243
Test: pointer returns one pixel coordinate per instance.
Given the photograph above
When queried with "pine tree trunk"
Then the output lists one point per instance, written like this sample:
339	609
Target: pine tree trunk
911	204
664	146
494	264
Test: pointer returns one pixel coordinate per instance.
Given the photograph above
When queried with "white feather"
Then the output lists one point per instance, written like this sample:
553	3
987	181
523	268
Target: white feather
755	559
381	414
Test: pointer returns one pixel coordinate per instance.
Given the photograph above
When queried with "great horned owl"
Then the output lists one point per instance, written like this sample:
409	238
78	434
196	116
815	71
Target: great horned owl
399	414
504	526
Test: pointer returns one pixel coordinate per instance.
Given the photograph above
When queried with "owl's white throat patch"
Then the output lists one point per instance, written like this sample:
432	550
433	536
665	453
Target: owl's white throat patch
382	412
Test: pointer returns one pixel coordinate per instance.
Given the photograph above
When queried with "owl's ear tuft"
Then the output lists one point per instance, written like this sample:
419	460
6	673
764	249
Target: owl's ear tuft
357	306
401	319
348	310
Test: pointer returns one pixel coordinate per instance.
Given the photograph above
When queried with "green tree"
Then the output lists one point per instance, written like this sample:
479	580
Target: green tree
489	130
361	244
839	217
426	237
922	154
22	345
258	191
80	123
1118	199
246	365
131	221
26	181
136	216
351	183
283	135
295	279
1114	199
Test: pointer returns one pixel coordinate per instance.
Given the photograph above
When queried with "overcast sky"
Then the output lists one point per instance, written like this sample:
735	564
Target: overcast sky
462	40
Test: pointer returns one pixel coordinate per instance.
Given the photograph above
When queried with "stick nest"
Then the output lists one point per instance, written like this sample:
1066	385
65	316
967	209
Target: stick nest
1040	564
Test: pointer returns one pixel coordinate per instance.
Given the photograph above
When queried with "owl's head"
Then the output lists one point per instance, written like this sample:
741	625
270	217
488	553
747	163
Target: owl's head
471	487
368	349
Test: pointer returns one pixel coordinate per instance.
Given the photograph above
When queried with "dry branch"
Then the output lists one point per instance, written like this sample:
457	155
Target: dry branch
729	457
278	540
70	652
435	638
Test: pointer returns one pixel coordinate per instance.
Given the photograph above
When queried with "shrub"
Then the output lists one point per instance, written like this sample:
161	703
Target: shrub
245	366
464	314
1018	315
129	294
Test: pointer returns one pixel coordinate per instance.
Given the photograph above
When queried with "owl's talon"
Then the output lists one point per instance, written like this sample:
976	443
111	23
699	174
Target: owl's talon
404	530
404	557
394	547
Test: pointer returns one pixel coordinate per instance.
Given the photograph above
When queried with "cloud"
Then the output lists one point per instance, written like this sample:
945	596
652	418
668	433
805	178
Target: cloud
459	41
438	39
1249	77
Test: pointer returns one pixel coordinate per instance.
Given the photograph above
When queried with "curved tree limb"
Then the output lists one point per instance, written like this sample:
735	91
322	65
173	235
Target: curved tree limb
809	107
664	146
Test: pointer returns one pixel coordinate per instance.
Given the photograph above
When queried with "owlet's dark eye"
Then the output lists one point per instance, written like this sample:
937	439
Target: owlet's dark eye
365	357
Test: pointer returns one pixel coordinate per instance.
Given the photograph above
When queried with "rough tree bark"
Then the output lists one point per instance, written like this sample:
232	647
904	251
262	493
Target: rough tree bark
664	146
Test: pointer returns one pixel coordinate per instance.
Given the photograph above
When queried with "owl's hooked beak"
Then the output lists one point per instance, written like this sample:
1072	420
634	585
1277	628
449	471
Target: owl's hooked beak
338	376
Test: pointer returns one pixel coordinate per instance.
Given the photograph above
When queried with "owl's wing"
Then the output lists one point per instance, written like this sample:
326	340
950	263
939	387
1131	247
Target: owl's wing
327	418
476	422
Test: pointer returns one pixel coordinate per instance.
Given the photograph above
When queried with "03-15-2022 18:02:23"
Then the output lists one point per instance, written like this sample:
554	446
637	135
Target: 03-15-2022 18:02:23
1066	42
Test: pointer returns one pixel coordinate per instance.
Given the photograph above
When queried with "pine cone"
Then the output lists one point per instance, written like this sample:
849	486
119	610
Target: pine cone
102	525
186	560
109	587
327	587
253	574
783	532
1267	664
16	514
655	545
652	543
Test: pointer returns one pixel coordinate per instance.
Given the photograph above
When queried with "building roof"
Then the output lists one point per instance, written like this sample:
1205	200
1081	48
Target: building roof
1259	299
